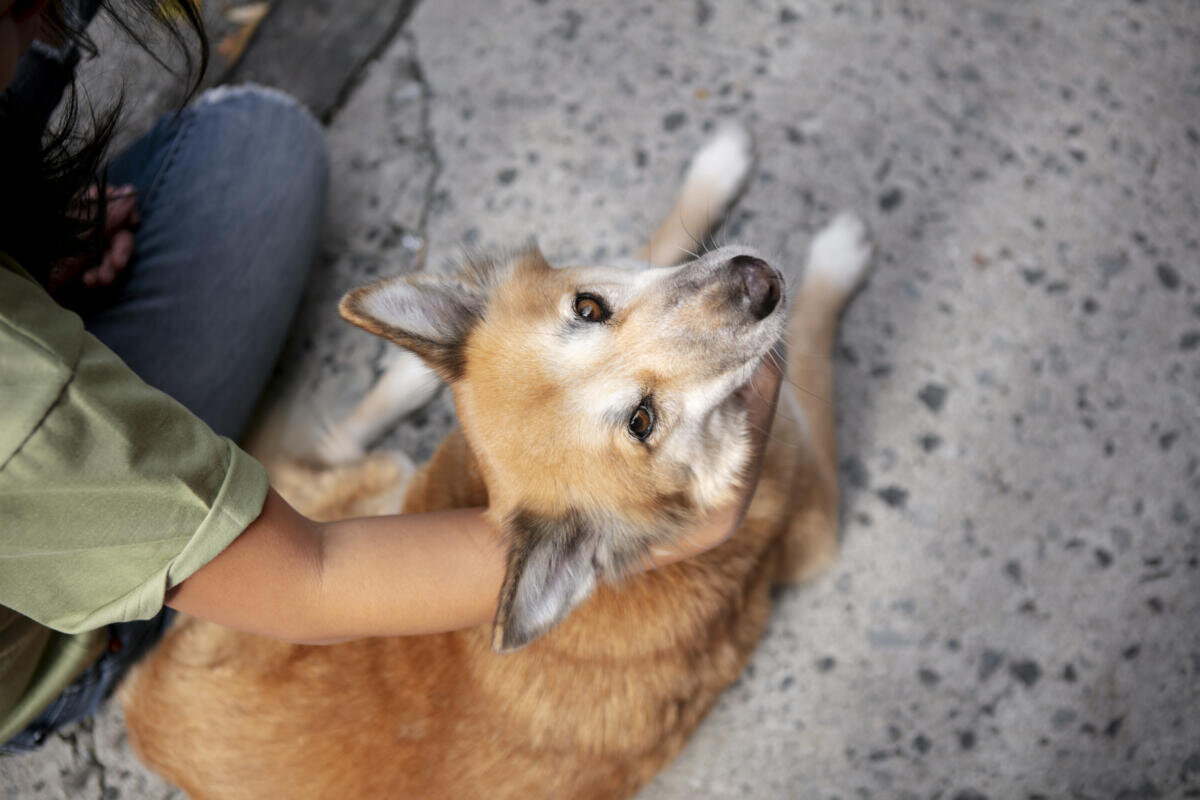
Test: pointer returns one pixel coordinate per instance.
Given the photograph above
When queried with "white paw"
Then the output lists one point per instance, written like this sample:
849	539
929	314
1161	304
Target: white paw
723	165
402	460
337	446
841	252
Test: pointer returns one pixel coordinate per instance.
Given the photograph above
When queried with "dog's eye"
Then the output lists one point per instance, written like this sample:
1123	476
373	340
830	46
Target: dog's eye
590	308
641	424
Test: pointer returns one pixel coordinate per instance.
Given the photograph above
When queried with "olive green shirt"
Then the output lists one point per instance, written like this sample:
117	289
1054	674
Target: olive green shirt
111	493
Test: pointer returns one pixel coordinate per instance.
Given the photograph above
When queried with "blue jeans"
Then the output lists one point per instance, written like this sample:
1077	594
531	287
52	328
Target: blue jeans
231	194
127	642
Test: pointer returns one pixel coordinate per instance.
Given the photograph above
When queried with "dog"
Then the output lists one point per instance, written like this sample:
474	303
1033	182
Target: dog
599	416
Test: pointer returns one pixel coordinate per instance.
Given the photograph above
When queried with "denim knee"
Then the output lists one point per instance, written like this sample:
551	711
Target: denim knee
273	121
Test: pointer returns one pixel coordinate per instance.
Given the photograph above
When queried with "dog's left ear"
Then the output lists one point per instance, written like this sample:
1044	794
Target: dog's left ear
552	567
428	314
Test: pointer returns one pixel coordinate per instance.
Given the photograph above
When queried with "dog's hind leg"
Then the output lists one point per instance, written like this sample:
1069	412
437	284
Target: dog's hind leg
837	262
717	175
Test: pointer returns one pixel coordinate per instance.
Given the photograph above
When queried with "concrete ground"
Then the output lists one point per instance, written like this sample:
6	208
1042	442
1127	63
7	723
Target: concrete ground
1016	613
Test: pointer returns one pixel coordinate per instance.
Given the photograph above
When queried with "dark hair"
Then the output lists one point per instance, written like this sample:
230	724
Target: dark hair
45	171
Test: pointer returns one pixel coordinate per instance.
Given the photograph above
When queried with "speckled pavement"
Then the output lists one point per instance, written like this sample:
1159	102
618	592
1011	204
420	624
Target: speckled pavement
1016	613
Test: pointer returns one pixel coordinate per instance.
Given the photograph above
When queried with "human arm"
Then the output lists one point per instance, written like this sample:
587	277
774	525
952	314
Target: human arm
291	578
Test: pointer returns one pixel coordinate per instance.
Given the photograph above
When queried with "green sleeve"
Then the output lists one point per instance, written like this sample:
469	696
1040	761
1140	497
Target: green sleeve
110	492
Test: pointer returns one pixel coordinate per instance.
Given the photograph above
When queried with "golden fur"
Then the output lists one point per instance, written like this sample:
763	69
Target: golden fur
600	703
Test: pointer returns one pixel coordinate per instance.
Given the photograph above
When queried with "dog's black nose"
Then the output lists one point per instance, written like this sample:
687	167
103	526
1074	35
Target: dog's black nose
762	284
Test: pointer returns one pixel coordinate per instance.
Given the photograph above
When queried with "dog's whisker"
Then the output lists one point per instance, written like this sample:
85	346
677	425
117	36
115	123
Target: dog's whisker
827	401
690	235
772	436
708	236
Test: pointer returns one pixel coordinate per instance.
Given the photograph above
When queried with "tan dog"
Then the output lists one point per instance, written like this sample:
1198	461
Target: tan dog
599	417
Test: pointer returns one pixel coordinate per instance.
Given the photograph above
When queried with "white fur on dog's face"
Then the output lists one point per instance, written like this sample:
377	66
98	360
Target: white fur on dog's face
546	397
670	340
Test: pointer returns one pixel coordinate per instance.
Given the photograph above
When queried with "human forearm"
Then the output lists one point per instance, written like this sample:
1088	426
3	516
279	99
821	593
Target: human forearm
317	583
409	574
291	578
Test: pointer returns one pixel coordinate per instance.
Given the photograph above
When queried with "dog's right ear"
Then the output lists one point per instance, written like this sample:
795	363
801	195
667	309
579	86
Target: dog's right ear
428	314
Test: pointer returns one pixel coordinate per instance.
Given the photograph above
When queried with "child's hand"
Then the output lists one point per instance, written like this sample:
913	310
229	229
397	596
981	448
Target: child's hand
120	219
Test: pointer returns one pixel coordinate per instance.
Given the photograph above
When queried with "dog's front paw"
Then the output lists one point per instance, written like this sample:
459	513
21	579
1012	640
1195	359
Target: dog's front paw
841	252
721	168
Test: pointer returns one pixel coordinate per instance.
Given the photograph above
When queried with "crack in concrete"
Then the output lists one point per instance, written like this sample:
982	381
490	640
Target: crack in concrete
354	79
83	757
429	140
425	144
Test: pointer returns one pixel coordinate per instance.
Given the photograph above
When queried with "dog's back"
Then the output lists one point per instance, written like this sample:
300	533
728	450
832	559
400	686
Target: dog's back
594	708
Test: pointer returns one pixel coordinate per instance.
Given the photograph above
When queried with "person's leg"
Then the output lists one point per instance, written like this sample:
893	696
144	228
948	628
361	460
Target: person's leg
127	642
231	193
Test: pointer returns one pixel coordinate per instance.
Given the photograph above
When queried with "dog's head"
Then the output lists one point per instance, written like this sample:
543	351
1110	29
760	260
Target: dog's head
599	401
